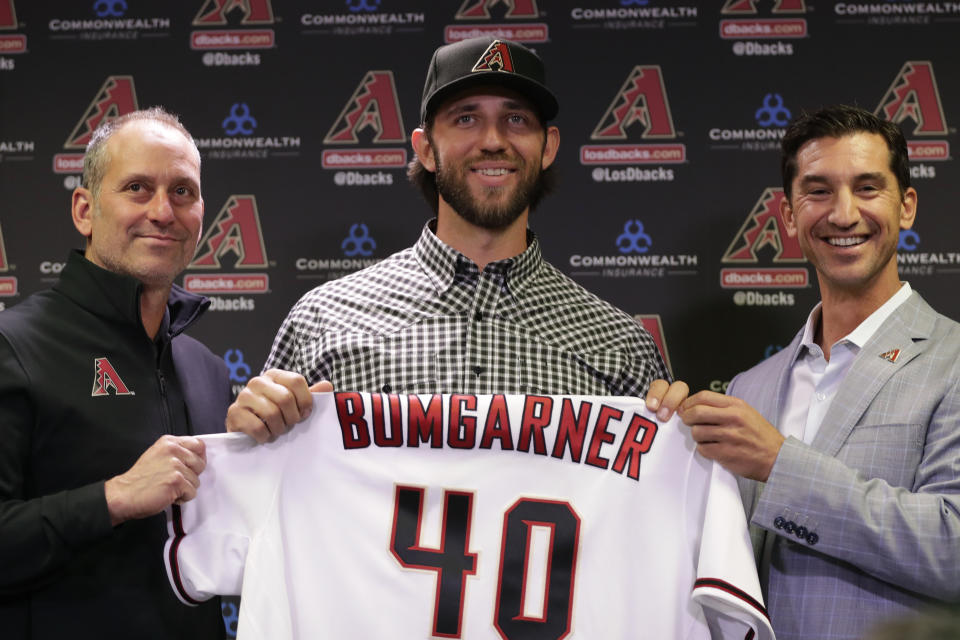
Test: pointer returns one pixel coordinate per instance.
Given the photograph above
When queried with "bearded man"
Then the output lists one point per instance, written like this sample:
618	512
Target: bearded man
472	307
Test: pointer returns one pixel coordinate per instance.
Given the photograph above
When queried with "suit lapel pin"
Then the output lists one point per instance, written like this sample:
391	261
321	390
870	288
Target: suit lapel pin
891	356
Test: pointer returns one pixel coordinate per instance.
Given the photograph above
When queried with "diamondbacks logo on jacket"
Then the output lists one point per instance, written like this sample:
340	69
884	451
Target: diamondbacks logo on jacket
477	9
891	356
214	12
116	97
373	105
750	6
236	230
105	377
642	100
495	58
914	96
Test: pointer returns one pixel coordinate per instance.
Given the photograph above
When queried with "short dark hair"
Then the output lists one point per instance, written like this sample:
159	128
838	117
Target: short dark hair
836	122
426	181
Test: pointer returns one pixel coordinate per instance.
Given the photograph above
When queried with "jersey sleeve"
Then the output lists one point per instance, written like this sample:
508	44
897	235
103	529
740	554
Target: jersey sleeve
209	536
727	586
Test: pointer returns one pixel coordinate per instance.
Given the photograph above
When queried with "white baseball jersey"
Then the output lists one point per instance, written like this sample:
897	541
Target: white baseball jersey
474	517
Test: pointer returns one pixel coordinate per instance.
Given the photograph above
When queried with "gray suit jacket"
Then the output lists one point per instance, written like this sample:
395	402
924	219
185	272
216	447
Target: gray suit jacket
864	522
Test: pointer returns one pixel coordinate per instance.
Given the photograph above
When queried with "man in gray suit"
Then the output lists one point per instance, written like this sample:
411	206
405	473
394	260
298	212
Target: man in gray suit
847	442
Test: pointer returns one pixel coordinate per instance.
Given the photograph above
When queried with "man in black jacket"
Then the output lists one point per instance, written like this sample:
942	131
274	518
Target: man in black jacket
100	395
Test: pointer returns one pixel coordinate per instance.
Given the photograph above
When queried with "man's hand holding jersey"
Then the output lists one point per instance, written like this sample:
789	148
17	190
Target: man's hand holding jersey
272	403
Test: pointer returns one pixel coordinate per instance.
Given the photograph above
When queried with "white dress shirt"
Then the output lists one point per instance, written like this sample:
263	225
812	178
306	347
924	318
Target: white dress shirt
814	380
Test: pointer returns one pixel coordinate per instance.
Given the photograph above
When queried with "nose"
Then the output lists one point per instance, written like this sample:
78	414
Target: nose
846	211
494	138
160	209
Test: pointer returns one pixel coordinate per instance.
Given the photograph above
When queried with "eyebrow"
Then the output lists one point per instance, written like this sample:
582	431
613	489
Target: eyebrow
467	106
813	178
143	177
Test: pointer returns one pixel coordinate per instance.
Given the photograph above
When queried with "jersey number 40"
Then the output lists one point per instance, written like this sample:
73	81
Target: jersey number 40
553	523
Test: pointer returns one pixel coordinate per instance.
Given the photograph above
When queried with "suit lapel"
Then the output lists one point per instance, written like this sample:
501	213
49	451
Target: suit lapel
770	405
902	337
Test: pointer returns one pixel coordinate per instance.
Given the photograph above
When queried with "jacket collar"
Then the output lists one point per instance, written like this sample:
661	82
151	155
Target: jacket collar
116	297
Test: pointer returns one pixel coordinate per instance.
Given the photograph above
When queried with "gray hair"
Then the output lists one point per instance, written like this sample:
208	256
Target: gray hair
95	158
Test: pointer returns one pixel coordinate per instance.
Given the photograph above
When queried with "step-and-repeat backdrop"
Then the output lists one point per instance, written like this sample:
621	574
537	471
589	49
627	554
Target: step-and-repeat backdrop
671	113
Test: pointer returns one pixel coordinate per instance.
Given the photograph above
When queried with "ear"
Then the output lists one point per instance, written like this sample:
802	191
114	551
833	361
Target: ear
200	227
81	210
550	147
423	149
786	214
908	208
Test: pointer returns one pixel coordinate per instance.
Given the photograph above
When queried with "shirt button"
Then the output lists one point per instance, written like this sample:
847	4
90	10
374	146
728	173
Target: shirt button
477	370
386	388
478	316
812	538
779	521
821	396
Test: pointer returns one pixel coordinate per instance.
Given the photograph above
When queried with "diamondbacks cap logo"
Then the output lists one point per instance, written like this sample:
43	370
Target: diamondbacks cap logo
236	230
116	97
641	100
750	6
914	96
763	228
476	9
105	377
891	356
8	15
373	105
495	58
214	12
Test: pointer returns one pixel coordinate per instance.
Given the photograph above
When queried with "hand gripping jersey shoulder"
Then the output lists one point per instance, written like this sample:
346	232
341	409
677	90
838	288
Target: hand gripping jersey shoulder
474	517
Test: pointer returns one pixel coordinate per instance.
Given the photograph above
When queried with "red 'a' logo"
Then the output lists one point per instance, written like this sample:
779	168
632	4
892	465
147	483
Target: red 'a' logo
236	230
116	97
8	15
374	104
745	7
214	12
654	326
105	378
475	9
763	228
3	253
495	58
914	96
642	99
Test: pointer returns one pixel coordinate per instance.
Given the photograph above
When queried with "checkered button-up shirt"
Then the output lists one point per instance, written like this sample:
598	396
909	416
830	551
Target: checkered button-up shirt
426	320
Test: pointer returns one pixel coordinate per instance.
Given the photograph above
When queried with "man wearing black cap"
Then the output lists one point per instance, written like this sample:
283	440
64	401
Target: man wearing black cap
472	307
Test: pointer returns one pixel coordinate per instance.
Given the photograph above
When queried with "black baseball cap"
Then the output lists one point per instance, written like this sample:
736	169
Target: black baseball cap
487	60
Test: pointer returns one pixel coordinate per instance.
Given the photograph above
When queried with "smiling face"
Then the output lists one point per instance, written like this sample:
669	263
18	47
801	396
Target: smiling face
846	210
488	151
145	221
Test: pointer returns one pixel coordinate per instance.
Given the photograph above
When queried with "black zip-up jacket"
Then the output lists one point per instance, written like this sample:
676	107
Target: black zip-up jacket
84	392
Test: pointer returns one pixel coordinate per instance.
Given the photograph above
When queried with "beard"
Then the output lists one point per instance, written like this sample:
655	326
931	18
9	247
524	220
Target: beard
497	207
